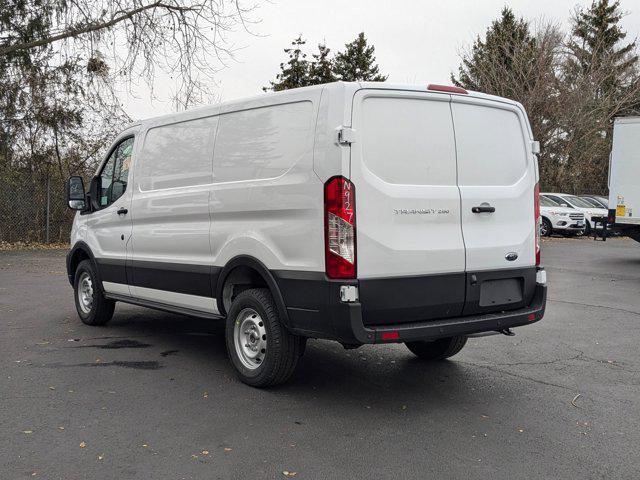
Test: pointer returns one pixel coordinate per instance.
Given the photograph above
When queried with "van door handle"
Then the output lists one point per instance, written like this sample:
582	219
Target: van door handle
123	211
483	209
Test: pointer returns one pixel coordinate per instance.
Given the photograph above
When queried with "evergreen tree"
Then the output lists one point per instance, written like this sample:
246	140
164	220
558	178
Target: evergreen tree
357	62
321	68
595	47
508	44
294	73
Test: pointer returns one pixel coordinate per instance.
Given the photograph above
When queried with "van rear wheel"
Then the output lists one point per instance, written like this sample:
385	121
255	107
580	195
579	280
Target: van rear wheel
92	307
437	349
262	350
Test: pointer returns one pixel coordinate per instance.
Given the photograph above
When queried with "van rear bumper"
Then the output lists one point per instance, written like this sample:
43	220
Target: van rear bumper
449	327
315	310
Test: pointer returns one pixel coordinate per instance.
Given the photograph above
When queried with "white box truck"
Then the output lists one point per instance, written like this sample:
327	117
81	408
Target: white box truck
624	177
357	212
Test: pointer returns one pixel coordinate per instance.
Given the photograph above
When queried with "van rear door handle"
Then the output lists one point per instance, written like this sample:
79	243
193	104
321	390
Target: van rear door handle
483	209
123	211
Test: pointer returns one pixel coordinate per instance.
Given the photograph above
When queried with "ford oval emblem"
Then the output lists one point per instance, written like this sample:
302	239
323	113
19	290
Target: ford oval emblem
511	256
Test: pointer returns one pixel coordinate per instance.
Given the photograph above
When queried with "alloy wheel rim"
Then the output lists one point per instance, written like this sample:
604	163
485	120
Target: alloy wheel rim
543	229
85	292
250	338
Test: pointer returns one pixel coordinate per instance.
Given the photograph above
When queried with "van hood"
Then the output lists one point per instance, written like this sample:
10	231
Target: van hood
559	209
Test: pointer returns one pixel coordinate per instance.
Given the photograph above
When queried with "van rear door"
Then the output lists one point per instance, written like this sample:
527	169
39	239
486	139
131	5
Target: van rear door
410	251
496	177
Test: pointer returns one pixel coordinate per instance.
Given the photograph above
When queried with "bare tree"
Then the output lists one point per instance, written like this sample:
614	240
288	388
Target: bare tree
133	39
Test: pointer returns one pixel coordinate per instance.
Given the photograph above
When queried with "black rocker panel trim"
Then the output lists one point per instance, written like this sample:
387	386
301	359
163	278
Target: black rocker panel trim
173	277
111	270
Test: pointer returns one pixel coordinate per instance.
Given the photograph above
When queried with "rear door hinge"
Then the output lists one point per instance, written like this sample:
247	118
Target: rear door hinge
346	135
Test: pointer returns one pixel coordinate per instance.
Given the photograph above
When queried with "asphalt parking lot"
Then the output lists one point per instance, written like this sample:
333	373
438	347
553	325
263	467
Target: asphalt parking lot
151	396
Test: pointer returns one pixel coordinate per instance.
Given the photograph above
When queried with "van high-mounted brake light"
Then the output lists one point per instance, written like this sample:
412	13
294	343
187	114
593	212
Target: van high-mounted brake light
446	88
340	228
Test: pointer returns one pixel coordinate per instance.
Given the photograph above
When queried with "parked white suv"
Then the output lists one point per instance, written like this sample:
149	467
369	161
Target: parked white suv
555	218
357	212
577	203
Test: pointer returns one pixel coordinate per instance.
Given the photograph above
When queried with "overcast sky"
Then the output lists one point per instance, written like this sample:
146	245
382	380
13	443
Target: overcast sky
416	41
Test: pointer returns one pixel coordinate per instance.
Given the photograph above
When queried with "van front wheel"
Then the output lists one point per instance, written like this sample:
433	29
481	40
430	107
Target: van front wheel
92	307
437	349
261	349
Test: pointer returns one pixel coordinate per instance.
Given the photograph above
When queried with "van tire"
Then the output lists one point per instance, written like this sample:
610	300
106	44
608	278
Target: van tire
100	310
283	349
437	349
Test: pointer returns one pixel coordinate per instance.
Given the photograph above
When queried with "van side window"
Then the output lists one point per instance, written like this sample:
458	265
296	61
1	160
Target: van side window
263	142
115	174
177	155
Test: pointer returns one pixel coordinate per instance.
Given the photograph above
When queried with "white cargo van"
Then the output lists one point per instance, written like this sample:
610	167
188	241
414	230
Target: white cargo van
624	177
357	212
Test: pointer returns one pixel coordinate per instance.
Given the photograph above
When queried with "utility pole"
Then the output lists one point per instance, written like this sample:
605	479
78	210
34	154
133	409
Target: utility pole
48	201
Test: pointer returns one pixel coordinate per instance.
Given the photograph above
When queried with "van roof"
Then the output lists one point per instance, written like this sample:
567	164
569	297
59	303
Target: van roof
347	86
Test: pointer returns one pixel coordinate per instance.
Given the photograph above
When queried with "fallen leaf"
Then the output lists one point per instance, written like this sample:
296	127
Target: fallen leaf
521	430
206	395
60	428
286	473
573	402
484	416
101	456
82	444
404	407
145	445
227	449
52	388
27	431
43	343
205	452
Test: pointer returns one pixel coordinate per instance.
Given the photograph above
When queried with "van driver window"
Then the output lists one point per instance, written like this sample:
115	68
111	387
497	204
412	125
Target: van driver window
114	176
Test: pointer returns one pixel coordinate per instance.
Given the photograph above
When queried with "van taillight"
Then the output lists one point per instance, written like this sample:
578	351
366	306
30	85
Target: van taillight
537	219
340	228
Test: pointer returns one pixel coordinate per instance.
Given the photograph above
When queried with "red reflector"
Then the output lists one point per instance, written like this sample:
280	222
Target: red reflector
531	317
446	88
390	335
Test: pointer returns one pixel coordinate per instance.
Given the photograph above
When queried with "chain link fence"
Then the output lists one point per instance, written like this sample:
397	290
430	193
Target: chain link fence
34	210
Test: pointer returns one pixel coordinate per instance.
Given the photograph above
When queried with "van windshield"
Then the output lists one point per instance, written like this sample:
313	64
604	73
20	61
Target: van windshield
577	202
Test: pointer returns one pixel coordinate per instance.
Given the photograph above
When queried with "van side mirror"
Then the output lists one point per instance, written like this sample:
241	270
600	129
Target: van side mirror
76	197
